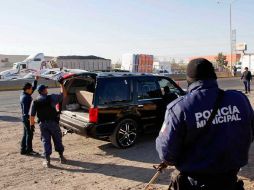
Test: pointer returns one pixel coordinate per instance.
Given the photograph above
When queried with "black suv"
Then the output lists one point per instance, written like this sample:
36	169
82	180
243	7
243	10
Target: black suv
116	106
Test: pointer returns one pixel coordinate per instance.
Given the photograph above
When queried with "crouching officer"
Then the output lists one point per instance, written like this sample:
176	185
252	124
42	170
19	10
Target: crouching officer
45	108
206	134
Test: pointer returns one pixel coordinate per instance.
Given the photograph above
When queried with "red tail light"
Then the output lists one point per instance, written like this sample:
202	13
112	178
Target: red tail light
68	75
93	115
58	107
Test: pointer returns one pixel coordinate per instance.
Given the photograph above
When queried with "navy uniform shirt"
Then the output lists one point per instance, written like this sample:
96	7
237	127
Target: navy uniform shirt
222	148
54	100
25	102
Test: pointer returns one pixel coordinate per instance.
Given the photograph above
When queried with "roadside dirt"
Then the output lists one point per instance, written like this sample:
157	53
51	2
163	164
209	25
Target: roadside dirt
91	164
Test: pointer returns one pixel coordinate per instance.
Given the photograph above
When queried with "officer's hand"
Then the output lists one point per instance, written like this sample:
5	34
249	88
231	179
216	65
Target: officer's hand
32	128
161	166
60	79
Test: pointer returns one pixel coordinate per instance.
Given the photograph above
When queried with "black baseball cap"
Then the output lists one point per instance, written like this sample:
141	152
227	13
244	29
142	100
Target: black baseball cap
41	87
27	86
200	69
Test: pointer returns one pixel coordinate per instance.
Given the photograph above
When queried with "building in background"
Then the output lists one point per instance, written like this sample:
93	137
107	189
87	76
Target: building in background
247	60
212	58
142	63
89	63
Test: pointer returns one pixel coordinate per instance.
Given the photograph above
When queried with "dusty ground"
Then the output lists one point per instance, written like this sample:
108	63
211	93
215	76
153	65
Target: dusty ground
92	164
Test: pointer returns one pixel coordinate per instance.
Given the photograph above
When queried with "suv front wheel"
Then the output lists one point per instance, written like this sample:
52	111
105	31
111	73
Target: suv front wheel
125	134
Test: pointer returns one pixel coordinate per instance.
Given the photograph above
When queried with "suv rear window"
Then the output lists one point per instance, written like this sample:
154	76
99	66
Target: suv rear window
114	90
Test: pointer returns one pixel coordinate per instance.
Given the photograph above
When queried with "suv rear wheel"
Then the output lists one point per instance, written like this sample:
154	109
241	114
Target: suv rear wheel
125	134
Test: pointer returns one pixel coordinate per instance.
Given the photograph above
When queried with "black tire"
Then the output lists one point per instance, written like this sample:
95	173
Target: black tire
125	134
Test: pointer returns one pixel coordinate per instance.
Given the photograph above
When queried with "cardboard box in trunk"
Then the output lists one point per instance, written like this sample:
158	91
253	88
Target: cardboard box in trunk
84	98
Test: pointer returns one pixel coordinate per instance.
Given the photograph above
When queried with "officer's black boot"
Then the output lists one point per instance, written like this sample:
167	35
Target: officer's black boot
46	163
62	158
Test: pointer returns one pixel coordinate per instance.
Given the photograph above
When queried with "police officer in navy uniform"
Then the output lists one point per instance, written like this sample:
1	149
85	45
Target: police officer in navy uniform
206	159
45	108
25	102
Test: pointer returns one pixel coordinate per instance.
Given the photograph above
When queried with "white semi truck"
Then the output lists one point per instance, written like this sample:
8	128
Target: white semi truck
247	60
33	63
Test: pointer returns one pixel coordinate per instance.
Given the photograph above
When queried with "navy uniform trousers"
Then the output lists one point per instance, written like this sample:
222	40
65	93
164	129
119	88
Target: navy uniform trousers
26	143
51	129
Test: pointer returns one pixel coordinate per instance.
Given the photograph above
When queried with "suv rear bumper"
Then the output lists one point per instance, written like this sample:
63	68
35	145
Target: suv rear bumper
98	131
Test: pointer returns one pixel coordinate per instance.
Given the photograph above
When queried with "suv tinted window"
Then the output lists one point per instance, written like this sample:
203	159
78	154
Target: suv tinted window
148	90
164	82
114	90
78	84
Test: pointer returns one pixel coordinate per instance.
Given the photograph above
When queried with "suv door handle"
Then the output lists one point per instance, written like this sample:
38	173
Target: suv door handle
140	106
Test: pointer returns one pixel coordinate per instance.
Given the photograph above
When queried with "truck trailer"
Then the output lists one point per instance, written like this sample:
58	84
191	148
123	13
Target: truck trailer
141	63
88	63
247	60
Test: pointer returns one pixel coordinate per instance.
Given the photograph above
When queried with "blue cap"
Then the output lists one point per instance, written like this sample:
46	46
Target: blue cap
41	87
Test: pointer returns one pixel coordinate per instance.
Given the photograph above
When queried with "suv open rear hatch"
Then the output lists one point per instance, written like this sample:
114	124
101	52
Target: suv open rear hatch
78	104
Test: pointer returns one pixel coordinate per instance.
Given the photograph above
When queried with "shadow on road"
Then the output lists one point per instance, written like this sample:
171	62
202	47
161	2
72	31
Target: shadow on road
134	173
143	151
9	118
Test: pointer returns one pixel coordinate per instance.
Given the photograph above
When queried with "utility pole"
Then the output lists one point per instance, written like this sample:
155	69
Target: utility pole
231	35
230	21
234	45
230	32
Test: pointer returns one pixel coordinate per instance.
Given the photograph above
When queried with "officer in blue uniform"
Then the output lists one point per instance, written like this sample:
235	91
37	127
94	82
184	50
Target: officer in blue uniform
45	108
206	159
25	103
246	77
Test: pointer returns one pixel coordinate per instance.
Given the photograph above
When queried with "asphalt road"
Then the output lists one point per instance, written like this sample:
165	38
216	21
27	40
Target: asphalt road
10	107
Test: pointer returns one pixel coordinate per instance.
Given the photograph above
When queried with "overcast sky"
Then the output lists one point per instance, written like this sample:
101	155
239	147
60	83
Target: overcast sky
109	28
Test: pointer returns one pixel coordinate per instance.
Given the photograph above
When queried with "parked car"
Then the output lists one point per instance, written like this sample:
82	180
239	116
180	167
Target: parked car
162	72
115	106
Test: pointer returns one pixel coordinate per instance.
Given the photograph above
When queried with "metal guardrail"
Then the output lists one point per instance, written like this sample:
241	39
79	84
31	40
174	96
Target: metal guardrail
19	83
219	75
178	76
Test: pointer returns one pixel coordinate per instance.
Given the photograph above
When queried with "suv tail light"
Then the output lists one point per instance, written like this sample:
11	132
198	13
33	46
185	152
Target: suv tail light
93	115
68	75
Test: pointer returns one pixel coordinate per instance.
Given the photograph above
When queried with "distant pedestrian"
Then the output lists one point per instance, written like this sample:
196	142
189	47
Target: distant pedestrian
246	77
234	71
25	102
48	118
